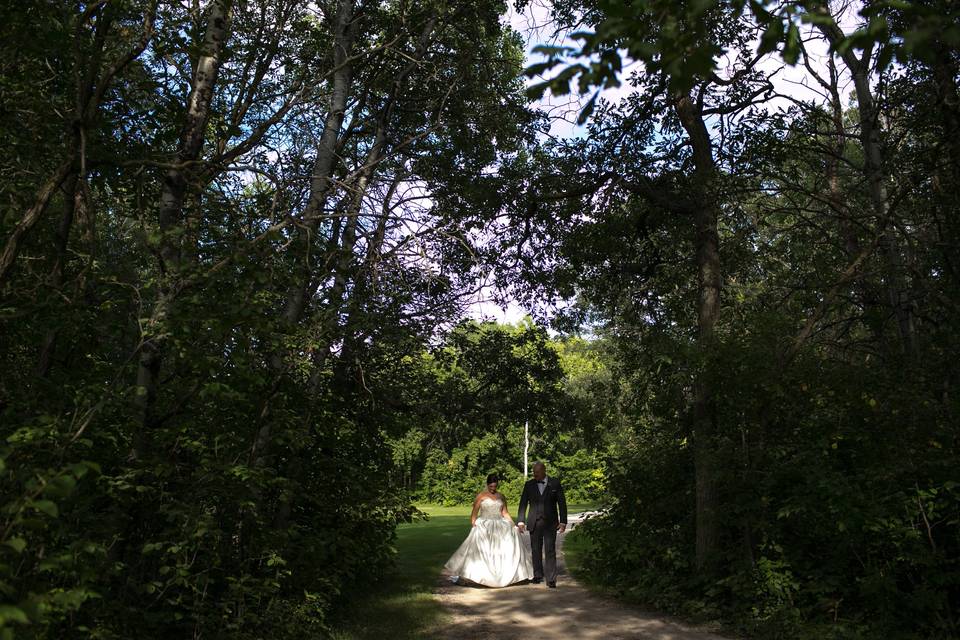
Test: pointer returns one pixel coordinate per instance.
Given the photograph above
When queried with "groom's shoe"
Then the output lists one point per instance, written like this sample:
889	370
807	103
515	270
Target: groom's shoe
552	585
537	580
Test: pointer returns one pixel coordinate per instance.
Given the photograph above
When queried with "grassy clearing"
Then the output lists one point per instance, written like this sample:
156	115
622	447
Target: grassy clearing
402	607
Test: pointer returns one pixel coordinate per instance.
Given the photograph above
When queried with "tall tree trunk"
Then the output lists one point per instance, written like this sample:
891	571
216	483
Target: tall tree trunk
837	200
707	243
345	29
12	247
170	216
59	265
365	282
343	263
375	156
345	32
945	71
342	255
870	139
86	75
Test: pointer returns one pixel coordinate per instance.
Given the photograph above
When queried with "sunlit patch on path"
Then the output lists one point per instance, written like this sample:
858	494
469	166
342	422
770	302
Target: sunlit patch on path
569	612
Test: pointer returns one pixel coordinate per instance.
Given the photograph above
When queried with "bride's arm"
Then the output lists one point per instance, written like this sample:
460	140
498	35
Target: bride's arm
473	514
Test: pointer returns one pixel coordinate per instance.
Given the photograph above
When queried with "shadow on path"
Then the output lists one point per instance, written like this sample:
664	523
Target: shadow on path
570	611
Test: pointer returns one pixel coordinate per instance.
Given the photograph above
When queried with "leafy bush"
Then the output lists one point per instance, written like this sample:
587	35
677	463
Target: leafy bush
843	526
194	540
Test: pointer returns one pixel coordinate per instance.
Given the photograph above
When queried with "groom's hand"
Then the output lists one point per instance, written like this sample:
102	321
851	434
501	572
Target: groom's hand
561	527
521	526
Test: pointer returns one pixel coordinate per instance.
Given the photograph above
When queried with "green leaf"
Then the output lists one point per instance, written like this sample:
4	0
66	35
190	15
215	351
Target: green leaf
583	35
822	19
60	486
9	613
771	37
878	29
539	68
759	12
885	57
536	91
552	50
46	506
17	544
791	50
698	7
584	114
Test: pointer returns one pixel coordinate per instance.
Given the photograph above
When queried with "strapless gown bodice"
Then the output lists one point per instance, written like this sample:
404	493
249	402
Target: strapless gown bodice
490	509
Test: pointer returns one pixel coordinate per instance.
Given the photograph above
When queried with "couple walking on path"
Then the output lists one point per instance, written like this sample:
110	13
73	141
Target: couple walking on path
495	552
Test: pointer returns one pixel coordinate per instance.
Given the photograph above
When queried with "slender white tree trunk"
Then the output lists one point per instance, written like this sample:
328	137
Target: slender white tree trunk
171	216
526	446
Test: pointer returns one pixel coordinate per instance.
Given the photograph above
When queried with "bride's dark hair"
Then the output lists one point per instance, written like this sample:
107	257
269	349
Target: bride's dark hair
493	478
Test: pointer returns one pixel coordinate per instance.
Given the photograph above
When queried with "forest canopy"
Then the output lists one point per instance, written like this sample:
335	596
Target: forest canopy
242	244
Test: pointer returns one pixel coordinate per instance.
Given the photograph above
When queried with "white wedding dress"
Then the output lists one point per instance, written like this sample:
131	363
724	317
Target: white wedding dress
494	553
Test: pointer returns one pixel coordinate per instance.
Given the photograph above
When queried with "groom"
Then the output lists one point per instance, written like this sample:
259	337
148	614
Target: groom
545	498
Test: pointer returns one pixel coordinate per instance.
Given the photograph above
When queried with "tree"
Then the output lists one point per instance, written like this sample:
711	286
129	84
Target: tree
819	431
692	97
218	246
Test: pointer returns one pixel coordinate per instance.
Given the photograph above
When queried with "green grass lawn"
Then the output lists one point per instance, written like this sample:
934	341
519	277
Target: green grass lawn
402	607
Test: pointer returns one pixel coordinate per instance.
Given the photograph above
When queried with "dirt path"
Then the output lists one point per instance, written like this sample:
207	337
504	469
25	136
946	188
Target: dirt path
531	610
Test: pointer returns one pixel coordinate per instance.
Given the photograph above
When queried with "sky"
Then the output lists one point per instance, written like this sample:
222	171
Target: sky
535	25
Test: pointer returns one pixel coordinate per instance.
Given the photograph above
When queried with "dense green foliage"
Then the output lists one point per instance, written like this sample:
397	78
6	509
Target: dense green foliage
830	372
185	452
487	381
240	241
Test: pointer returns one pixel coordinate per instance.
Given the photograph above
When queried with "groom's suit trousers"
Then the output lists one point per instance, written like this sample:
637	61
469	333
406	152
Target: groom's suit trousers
543	542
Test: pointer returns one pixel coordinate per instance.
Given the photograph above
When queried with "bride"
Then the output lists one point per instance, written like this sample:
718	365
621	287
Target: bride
494	554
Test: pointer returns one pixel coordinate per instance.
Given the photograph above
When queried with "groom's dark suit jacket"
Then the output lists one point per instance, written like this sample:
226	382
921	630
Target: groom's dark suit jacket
549	508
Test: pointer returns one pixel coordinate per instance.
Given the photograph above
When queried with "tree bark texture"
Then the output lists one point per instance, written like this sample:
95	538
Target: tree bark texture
170	212
707	244
345	31
870	139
